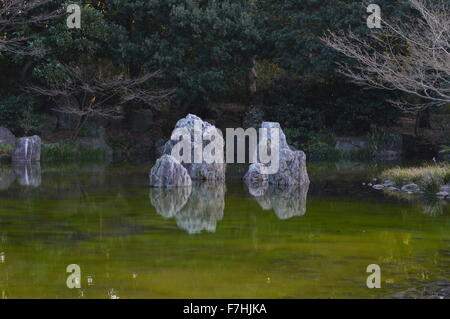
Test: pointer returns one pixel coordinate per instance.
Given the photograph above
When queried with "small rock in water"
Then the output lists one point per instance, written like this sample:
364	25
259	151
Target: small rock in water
445	188
364	184
443	194
414	188
378	186
370	184
393	189
388	183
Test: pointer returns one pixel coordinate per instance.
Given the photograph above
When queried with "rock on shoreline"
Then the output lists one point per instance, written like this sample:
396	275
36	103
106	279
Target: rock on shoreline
411	188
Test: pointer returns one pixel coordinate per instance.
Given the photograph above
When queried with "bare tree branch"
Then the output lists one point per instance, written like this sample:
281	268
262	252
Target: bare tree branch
97	96
16	13
411	56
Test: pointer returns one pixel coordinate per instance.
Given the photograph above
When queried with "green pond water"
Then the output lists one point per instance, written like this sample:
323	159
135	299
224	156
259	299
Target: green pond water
213	241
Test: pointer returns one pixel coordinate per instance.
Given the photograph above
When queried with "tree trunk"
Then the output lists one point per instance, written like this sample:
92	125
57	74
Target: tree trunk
422	120
81	121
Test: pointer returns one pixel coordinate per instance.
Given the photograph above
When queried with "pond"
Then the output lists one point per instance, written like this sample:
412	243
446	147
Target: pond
213	240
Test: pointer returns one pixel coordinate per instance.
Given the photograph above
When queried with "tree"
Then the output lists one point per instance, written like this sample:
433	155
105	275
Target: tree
16	16
308	90
411	56
88	92
204	47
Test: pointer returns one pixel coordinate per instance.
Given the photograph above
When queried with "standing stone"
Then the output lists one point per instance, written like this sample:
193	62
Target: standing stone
292	163
27	149
199	171
168	172
6	137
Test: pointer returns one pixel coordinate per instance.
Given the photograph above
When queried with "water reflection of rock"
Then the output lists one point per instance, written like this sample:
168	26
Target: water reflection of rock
169	201
287	201
194	209
28	173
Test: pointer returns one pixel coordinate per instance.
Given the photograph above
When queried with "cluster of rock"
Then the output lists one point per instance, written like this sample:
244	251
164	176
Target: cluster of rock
195	208
410	188
171	173
198	207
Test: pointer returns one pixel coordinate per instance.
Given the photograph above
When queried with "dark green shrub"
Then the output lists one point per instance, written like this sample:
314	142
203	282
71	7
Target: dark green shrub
70	151
20	114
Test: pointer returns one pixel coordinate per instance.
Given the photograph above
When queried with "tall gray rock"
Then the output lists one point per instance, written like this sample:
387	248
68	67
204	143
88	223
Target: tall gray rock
203	170
6	137
168	172
292	163
27	149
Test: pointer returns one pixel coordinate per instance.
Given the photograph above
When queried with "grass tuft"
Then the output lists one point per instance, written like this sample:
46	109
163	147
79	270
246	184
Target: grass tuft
5	153
429	178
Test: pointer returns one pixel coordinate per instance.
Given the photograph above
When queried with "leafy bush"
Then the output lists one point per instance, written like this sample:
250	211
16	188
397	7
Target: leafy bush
444	149
20	114
320	105
319	146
